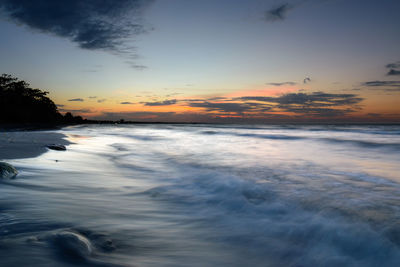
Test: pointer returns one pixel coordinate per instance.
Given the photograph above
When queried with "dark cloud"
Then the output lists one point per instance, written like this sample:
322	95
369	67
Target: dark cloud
317	103
289	107
75	110
218	98
283	83
224	107
126	103
59	105
161	103
230	107
91	24
320	112
381	83
393	72
92	97
257	98
101	100
386	86
306	80
395	65
278	13
316	99
76	100
394	69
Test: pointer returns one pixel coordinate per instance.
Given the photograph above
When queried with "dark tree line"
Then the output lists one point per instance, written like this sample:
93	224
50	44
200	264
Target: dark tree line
21	104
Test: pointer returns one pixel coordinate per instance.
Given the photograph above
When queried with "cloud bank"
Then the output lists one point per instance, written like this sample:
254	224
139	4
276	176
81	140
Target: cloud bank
318	104
291	107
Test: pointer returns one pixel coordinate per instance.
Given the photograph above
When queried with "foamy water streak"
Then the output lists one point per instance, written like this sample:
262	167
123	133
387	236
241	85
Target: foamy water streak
173	195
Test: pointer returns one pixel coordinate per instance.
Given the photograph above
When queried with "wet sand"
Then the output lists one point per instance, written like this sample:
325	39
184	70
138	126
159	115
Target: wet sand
27	144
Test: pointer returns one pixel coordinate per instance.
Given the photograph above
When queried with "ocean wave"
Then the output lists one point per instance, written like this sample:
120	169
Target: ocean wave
365	144
361	143
262	136
205	196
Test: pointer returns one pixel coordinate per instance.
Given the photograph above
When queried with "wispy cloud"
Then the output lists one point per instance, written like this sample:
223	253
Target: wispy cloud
161	103
381	83
135	66
126	103
282	83
217	98
278	13
101	100
76	100
75	110
386	86
237	108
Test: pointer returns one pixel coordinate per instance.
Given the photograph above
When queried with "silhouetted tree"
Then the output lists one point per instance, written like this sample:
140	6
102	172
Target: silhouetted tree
21	104
69	118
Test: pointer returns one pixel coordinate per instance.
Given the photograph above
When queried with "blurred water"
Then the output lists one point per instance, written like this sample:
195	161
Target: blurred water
207	195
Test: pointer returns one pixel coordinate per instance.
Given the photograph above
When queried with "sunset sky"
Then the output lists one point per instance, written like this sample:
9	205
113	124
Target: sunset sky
210	60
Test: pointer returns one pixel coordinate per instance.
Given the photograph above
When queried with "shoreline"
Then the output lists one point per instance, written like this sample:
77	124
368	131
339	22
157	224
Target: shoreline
18	141
19	144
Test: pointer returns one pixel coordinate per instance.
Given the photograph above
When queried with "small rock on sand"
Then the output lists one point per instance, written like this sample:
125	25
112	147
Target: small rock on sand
7	171
56	147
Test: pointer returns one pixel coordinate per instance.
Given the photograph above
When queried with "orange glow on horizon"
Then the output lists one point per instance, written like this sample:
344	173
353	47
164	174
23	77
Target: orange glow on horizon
263	92
384	107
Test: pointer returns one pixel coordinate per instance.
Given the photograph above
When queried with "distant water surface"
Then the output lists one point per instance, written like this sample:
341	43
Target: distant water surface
207	195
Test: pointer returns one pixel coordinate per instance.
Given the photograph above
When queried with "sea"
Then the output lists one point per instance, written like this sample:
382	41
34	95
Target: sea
207	195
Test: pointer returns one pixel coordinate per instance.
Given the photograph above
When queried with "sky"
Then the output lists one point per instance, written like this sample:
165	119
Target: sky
253	61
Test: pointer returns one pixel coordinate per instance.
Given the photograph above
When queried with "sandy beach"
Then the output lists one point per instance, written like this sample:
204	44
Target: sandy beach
27	144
